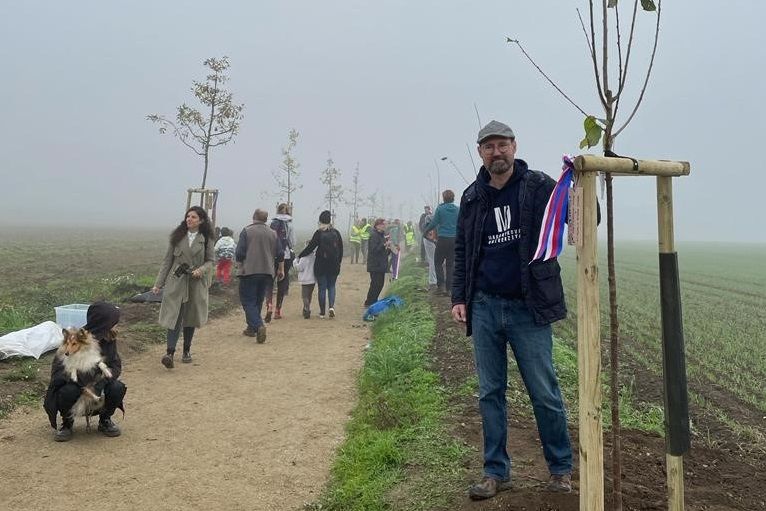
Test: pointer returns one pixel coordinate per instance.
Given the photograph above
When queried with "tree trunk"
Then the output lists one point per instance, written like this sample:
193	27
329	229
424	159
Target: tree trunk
209	134
204	174
289	186
614	341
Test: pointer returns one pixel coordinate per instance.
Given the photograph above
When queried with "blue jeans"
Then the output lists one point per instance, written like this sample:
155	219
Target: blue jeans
252	291
497	322
326	284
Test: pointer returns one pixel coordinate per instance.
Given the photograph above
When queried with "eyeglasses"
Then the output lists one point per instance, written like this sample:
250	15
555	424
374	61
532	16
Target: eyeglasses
503	147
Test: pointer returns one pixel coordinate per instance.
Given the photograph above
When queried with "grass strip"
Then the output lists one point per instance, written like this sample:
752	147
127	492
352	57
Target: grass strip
397	448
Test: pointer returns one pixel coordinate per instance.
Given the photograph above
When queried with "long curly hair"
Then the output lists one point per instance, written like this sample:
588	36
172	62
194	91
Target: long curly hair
181	231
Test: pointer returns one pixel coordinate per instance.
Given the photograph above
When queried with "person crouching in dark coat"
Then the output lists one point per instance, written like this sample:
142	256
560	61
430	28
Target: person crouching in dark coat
63	392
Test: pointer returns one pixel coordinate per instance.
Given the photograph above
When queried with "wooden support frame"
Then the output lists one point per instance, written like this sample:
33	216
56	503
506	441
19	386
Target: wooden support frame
591	446
208	200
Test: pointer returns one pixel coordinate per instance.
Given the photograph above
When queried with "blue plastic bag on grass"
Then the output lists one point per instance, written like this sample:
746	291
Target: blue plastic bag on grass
382	306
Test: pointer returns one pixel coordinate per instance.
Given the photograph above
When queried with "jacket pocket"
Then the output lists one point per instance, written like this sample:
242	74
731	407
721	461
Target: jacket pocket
545	284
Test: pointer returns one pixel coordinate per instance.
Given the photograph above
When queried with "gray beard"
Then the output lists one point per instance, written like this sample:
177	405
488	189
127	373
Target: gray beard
499	167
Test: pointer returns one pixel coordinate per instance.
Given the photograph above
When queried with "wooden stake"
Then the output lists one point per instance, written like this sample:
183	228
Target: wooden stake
677	435
589	354
675	469
627	167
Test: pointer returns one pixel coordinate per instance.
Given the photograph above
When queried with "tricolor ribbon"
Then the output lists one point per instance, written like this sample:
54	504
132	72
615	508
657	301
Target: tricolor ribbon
551	241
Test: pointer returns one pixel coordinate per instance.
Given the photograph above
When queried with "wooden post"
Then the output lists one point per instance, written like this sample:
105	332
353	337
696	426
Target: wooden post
677	438
589	354
630	166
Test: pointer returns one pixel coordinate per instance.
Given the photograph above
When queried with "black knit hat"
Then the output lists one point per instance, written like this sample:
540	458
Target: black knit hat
102	317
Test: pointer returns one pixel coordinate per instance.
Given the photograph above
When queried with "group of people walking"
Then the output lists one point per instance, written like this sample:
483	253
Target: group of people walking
481	254
264	255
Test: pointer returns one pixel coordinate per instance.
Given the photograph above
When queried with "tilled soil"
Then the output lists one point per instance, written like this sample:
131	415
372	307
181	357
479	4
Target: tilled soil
721	473
246	426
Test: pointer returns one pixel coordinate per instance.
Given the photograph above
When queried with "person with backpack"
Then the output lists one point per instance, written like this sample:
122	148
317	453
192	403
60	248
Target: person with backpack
282	225
328	244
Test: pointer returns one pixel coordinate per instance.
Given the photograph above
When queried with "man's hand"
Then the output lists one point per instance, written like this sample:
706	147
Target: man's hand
458	312
156	290
196	273
280	274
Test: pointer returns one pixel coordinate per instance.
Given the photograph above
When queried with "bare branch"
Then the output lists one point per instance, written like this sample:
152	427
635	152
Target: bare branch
648	71
223	141
604	59
630	46
619	53
546	76
177	132
197	136
593	51
585	33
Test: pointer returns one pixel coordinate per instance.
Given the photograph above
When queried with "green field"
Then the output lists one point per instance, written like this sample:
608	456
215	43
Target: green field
723	289
43	268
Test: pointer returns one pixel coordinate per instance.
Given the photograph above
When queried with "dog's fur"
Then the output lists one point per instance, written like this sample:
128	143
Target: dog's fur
80	353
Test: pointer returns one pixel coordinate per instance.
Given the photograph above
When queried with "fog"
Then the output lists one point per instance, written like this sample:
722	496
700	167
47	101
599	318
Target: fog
391	85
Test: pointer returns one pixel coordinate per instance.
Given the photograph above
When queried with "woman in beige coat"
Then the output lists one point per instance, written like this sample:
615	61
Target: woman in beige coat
185	277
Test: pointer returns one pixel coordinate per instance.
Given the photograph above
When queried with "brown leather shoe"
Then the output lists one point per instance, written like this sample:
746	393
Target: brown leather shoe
560	483
488	488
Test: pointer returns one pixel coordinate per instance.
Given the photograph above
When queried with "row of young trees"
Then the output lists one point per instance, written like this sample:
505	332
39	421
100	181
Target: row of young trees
218	122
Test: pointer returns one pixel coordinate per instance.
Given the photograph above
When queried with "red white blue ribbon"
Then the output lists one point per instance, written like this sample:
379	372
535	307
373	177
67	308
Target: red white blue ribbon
551	241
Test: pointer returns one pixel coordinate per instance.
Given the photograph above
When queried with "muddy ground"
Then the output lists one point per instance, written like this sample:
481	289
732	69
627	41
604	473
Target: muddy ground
721	472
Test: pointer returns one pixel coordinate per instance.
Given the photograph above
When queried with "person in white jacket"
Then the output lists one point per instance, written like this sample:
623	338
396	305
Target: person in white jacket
305	267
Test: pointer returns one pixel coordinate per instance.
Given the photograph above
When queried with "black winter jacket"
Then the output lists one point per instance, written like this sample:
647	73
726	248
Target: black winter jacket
541	285
377	253
59	377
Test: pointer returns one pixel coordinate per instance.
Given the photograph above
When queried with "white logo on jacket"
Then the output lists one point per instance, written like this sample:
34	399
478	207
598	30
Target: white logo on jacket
503	223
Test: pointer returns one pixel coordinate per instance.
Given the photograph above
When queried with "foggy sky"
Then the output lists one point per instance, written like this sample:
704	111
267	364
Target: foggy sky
391	85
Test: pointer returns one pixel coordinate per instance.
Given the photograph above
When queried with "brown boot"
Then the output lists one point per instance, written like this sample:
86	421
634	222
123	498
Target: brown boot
488	488
560	483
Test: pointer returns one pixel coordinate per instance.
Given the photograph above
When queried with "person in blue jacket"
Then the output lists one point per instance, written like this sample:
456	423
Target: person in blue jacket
445	223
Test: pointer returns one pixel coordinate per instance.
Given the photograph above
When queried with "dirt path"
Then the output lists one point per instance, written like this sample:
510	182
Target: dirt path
245	427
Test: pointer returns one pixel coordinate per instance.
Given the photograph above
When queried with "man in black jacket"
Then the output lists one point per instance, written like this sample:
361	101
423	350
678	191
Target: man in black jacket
504	299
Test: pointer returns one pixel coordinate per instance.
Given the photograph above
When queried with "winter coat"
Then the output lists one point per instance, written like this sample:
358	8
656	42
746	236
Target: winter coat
328	244
444	220
305	267
185	289
225	247
541	286
259	250
377	253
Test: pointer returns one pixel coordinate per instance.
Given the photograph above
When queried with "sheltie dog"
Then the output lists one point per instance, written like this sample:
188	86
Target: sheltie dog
80	355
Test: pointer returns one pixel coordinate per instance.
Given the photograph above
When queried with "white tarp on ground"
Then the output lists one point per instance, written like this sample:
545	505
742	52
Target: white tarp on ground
31	342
